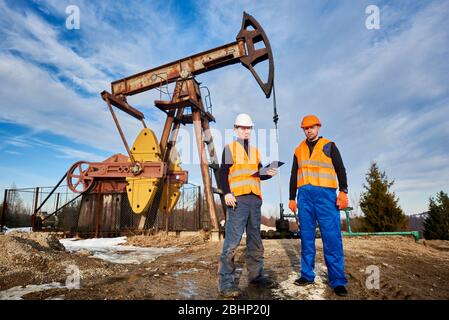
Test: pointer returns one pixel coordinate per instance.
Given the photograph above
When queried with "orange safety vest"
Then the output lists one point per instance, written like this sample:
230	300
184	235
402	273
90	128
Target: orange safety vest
315	169
243	167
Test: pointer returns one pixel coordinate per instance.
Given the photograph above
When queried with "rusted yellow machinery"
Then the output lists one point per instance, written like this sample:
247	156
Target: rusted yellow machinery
151	177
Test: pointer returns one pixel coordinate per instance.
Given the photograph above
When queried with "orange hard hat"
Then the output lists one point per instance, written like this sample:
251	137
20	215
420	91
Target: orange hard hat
310	121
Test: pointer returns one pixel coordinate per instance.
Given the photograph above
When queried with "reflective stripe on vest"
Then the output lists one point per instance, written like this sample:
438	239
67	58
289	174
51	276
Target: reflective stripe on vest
316	175
241	172
244	183
315	169
243	167
304	163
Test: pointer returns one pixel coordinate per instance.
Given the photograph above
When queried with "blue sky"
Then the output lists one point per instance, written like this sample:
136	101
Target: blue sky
382	95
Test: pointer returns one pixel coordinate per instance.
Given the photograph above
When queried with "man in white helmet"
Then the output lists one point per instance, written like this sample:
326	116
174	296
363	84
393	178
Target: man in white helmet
240	182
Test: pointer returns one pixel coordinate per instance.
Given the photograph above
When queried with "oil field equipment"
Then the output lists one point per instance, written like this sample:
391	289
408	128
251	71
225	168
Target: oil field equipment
150	174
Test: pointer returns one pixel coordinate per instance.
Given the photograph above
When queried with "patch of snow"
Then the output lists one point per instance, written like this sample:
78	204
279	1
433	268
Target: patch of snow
16	293
25	229
288	290
109	249
74	244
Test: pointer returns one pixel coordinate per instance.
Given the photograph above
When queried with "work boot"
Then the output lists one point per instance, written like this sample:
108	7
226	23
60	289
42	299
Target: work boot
341	291
230	292
303	282
264	282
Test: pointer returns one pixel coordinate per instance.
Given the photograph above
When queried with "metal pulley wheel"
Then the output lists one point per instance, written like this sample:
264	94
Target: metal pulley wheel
78	179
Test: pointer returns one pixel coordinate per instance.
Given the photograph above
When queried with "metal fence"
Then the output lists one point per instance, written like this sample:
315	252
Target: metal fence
19	205
186	215
95	215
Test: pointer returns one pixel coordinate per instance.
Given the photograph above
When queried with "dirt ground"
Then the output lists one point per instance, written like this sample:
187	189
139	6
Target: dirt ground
407	270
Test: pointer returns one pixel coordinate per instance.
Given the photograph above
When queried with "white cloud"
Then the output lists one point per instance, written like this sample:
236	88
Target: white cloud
38	41
33	98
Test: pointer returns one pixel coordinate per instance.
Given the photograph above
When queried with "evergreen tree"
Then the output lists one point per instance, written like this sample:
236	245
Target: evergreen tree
436	225
382	212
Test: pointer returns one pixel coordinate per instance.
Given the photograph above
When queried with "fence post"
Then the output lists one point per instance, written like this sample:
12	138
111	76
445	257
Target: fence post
57	201
36	200
5	205
34	226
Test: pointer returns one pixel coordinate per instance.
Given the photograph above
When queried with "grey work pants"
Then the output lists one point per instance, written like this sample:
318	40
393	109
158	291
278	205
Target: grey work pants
246	215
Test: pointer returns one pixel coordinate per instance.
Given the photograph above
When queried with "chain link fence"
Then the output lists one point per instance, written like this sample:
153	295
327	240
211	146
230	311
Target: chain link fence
55	210
186	215
95	215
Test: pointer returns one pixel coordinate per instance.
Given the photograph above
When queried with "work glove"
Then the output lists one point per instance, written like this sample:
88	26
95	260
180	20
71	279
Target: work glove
292	206
342	200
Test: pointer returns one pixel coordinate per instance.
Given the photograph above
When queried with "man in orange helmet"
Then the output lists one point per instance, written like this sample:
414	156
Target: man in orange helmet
316	165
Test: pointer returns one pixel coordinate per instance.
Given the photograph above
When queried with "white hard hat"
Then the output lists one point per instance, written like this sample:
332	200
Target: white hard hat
243	120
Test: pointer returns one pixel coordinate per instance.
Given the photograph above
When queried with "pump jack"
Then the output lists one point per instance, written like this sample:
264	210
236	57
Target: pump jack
150	174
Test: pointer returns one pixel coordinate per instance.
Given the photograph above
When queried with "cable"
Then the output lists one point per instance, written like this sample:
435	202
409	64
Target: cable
275	120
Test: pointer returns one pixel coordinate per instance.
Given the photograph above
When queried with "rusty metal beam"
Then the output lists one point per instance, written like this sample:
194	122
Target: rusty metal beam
166	131
205	170
123	170
102	170
170	118
168	105
242	50
196	64
119	171
215	164
122	136
122	105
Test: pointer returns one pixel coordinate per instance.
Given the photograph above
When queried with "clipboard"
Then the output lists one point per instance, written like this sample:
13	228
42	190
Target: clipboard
272	165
